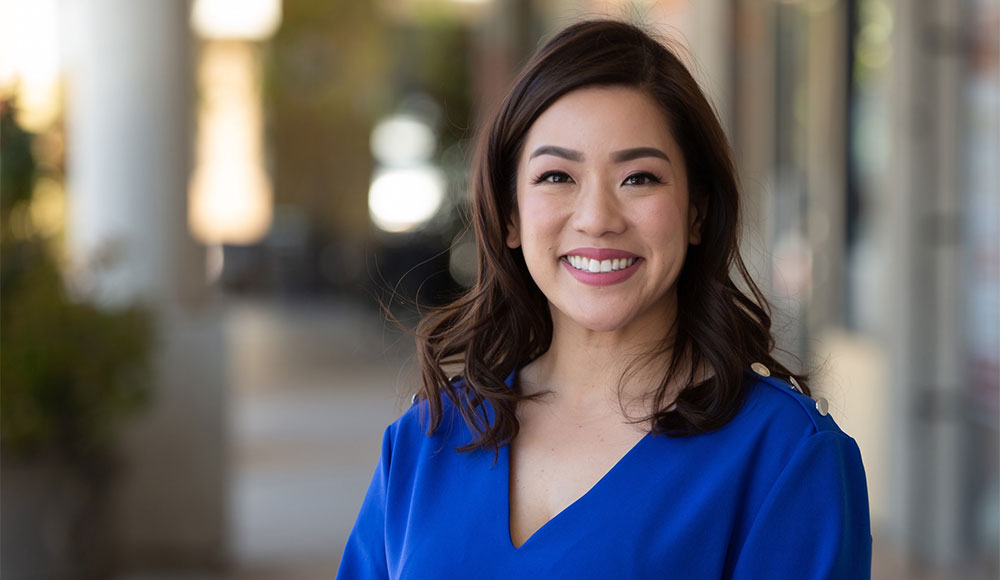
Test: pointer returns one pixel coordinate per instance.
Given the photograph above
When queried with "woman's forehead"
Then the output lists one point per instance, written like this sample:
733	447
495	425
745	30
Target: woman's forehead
600	121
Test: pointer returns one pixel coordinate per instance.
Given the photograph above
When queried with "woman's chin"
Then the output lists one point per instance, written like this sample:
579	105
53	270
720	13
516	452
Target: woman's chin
596	323
619	318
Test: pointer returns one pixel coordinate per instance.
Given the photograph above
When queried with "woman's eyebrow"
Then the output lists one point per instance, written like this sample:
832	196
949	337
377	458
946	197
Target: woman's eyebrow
638	153
558	152
616	157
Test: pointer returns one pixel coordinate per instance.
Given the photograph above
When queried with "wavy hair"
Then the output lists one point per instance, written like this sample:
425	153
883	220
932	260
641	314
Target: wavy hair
503	322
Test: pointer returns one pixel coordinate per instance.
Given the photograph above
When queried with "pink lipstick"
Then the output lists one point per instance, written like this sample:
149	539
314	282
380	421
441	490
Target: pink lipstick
600	266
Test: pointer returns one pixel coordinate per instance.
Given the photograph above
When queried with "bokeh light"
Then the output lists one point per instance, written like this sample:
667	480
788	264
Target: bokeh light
236	19
401	200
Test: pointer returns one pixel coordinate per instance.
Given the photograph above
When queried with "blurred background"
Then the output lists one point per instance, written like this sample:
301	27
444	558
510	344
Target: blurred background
204	203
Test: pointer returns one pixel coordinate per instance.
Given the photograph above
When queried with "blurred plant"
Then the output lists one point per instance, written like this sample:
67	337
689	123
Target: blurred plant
71	372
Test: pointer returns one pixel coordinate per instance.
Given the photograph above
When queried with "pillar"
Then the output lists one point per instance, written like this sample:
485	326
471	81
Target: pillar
129	126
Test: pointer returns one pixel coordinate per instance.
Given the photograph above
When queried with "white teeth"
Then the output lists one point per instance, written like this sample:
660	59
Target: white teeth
599	266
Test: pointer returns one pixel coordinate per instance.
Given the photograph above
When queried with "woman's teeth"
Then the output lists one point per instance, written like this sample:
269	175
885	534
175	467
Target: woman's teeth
599	266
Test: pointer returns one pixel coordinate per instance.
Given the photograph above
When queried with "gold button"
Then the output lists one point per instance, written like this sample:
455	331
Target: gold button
795	384
760	369
822	406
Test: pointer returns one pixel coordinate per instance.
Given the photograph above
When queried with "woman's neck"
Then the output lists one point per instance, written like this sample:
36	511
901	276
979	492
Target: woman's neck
584	368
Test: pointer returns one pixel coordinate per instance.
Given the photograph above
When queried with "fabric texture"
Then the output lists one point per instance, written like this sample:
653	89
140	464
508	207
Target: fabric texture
778	492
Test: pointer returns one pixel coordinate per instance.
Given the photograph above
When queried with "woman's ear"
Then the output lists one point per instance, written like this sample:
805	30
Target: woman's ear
513	232
697	210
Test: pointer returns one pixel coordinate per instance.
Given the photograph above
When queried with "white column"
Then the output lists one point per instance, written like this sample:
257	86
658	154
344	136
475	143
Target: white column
927	430
129	133
129	126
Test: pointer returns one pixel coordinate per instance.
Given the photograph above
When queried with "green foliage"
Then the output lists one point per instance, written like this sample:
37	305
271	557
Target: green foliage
17	164
71	372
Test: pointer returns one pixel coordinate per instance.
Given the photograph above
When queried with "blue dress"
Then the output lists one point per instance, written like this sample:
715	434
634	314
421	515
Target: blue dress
777	493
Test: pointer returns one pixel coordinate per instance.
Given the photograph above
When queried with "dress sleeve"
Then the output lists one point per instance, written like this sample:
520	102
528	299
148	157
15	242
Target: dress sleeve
814	523
364	556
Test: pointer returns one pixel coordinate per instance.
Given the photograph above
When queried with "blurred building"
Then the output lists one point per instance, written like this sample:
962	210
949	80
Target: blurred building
290	150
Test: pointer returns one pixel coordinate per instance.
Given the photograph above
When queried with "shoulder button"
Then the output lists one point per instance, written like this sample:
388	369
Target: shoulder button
760	369
795	384
413	399
822	406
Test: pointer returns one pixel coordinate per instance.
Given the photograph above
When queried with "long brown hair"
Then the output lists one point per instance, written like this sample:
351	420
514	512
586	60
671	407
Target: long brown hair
502	322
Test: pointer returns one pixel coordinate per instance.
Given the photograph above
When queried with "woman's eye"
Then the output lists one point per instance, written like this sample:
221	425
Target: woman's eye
553	177
641	179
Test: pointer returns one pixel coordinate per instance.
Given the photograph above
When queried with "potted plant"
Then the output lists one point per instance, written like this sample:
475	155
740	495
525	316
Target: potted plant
70	374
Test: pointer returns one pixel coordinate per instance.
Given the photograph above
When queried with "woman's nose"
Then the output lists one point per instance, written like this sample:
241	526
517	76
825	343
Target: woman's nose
598	212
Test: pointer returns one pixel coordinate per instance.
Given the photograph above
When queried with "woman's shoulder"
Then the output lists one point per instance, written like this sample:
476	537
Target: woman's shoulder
781	405
778	435
412	425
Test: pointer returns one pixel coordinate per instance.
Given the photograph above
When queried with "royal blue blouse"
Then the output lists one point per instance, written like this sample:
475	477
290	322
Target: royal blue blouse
777	493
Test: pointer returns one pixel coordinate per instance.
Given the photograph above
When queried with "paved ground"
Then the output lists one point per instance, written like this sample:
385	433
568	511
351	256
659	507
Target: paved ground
313	386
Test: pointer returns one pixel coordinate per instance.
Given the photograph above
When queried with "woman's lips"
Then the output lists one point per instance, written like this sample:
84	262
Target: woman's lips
594	272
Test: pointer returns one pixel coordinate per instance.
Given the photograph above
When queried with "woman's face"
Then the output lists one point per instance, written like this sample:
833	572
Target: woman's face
604	219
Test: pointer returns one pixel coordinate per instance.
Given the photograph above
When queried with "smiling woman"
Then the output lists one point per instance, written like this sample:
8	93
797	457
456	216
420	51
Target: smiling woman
616	195
619	412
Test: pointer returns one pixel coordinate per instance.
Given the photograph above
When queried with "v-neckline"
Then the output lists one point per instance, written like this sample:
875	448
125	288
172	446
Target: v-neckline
505	459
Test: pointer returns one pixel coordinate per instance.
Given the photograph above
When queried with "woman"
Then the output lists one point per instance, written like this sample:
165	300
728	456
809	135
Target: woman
619	413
